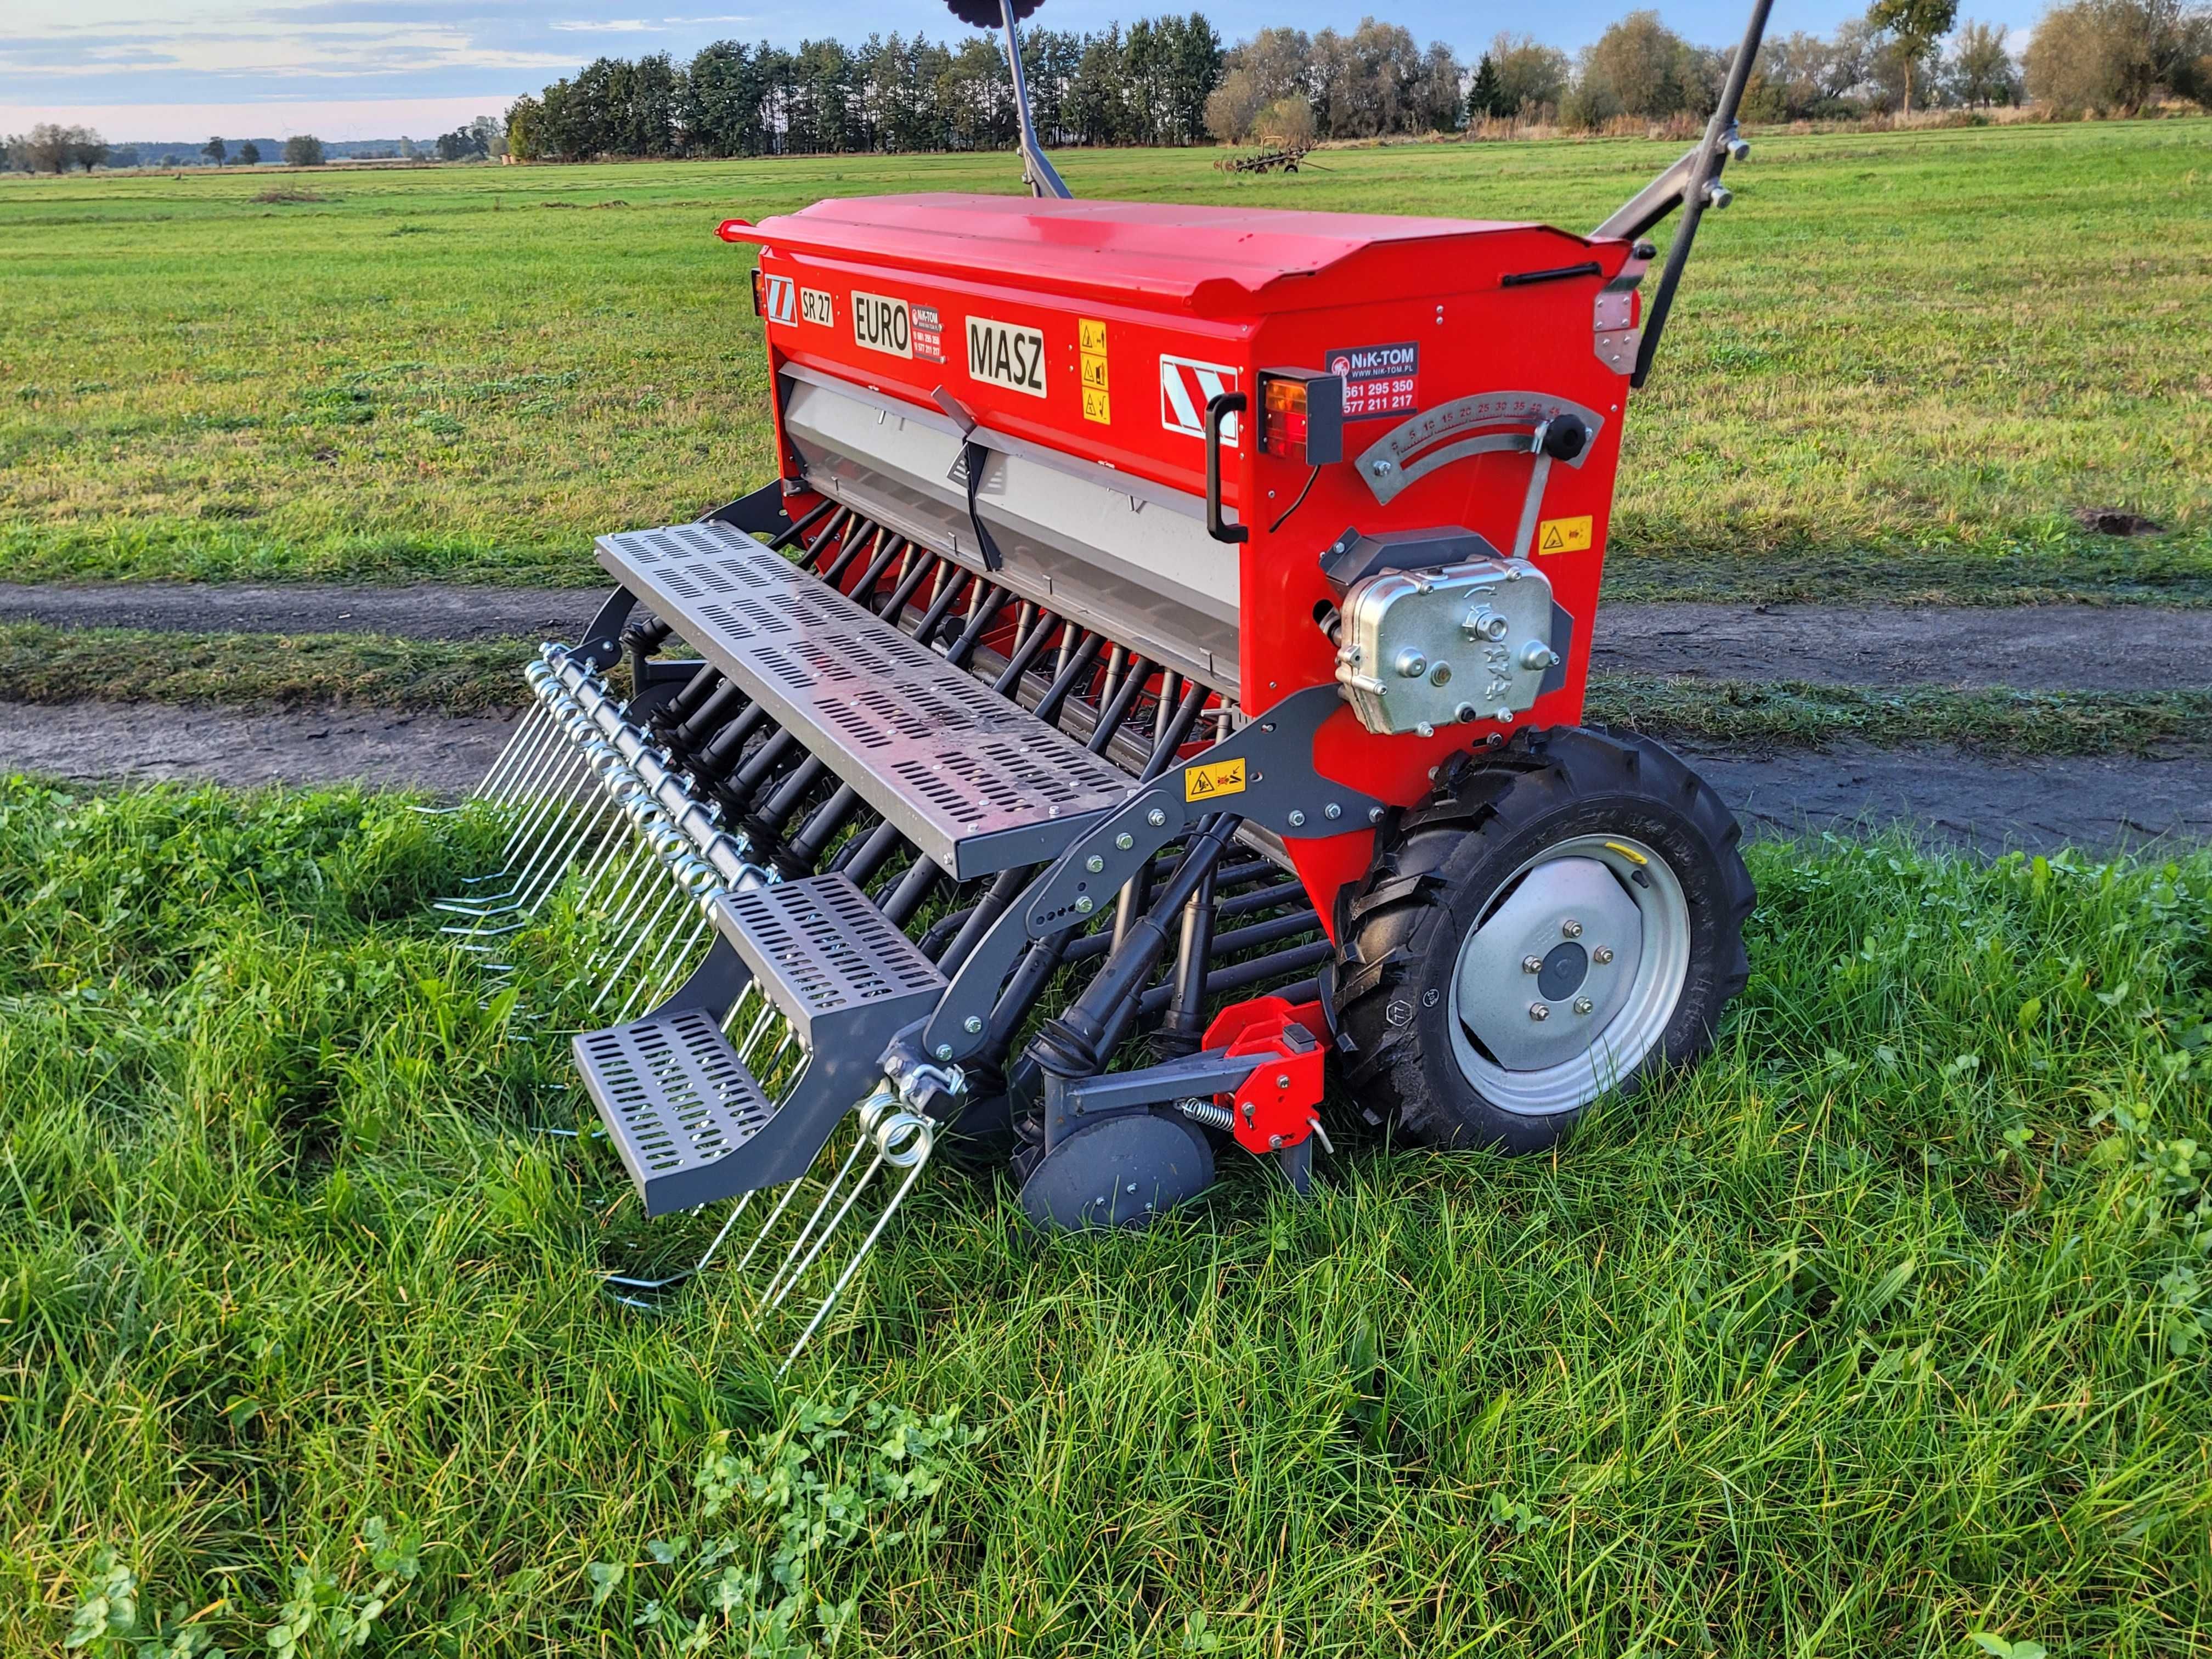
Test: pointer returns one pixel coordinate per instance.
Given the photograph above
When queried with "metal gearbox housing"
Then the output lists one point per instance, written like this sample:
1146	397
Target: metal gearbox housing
1420	650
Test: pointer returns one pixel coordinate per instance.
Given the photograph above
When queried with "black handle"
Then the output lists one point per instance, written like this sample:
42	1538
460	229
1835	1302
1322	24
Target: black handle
1219	408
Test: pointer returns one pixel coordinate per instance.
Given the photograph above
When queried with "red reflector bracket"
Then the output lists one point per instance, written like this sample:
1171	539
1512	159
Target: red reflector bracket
760	293
1302	415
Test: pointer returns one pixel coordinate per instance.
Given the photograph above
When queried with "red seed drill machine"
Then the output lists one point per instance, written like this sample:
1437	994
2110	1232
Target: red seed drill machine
1149	689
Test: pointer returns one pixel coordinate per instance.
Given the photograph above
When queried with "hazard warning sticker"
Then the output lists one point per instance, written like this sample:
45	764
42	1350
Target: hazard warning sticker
1221	778
1563	535
1187	386
1378	379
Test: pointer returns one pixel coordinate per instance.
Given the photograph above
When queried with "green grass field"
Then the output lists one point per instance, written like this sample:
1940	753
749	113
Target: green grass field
1901	361
1886	1327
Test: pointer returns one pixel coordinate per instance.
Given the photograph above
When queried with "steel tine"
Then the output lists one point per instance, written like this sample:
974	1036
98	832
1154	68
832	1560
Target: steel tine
649	981
607	859
531	828
912	1157
493	776
780	1284
527	730
651	1287
617	896
790	1191
780	1281
636	944
641	859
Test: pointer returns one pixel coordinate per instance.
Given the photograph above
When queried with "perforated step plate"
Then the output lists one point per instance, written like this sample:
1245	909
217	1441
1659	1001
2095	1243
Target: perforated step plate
978	784
831	961
677	1102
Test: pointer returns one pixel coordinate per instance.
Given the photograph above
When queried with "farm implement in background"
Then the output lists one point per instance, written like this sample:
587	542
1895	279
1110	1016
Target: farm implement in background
1173	618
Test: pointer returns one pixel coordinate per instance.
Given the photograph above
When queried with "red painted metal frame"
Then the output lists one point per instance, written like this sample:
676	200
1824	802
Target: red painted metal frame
1245	290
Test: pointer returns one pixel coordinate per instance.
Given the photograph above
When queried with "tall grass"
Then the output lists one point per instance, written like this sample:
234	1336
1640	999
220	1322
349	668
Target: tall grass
1884	1327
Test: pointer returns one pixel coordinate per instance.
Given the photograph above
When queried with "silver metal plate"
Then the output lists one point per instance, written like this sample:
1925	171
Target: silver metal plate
676	1101
978	783
820	948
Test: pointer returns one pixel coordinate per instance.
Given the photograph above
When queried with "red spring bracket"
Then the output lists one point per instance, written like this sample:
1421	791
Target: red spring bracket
1277	1104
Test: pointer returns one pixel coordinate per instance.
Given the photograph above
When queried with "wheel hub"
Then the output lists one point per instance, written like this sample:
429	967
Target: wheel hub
1537	951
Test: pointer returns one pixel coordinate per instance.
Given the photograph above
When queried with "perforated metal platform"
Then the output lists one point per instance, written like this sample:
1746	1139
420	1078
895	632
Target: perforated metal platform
691	1124
978	784
676	1101
830	960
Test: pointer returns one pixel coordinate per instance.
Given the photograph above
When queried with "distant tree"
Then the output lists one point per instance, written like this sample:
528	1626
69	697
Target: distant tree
1916	26
1484	99
1235	105
1981	71
1638	67
1531	78
215	150
1288	121
303	150
48	147
526	129
124	156
249	154
457	145
489	136
87	149
173	159
2115	55
408	152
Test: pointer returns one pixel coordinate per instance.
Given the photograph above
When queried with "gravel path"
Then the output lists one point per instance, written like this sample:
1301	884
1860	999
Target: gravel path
1966	799
2033	648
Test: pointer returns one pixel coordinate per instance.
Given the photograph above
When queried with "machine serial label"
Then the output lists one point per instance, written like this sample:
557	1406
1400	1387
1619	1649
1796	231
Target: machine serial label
882	325
815	305
1205	782
1006	354
1563	535
1378	379
1090	335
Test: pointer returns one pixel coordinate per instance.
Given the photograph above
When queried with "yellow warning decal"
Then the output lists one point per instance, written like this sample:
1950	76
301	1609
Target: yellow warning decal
1563	535
1090	335
1205	782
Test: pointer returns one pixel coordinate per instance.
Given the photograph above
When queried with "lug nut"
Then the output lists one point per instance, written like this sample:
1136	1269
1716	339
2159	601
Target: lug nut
1539	1010
1571	929
1583	1005
1532	964
1602	954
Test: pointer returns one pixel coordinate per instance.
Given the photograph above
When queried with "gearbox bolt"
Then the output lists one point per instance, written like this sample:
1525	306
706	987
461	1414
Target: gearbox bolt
1297	817
1094	864
1583	1005
1125	841
972	1024
1085	905
1602	954
1156	817
1532	964
1539	1010
1571	929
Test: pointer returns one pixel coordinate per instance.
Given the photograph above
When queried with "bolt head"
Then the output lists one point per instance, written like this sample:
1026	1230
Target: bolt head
972	1024
1539	1011
945	1051
1125	841
1532	964
1411	664
1571	929
1282	1079
1424	730
1583	1005
1374	815
1156	817
1094	864
1297	817
1130	1188
1085	905
1332	811
1602	954
1274	1143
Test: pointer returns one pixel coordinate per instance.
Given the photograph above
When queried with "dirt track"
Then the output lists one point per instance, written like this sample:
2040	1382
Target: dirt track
2036	648
1962	798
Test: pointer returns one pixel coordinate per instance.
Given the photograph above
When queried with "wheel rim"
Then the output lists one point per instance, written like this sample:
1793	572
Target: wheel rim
1595	931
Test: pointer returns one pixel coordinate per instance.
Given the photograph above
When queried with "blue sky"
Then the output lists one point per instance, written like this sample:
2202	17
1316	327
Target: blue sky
141	69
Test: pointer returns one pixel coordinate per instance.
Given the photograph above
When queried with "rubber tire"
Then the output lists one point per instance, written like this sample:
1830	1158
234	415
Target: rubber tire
1435	869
